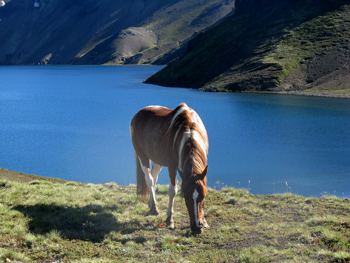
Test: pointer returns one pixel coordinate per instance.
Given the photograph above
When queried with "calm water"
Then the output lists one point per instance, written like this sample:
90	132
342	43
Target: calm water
72	122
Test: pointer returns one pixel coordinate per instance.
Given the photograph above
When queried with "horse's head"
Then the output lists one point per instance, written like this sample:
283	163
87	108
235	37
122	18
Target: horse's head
194	189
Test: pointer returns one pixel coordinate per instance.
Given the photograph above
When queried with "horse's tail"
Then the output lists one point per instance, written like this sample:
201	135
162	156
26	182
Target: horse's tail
142	188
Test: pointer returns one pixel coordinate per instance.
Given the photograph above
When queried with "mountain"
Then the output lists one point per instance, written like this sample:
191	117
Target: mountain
102	32
271	45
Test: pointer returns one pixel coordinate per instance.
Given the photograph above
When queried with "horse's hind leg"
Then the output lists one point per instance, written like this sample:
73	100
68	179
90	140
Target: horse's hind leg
151	184
156	168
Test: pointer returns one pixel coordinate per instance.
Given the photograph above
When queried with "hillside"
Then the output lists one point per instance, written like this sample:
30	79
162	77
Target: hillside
95	32
58	221
277	46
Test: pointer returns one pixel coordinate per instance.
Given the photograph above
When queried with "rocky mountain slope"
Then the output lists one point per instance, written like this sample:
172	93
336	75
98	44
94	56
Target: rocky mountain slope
272	45
101	32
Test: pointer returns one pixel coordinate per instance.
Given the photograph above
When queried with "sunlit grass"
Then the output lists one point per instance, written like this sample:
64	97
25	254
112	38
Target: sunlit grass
309	39
51	221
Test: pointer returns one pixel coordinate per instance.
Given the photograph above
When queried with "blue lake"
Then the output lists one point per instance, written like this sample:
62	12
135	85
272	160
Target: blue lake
72	122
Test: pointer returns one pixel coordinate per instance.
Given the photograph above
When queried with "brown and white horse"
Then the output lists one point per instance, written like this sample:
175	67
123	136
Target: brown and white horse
178	140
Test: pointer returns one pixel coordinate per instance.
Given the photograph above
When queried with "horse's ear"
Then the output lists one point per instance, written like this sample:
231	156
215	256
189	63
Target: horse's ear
204	174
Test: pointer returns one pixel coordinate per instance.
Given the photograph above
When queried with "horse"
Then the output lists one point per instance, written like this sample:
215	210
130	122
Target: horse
176	139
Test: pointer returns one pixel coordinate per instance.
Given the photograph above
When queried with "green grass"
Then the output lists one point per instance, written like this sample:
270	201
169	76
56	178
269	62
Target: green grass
339	92
257	52
311	38
46	221
170	29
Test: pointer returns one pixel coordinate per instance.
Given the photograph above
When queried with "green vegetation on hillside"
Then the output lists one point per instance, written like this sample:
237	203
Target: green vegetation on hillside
45	221
272	46
314	37
176	24
172	26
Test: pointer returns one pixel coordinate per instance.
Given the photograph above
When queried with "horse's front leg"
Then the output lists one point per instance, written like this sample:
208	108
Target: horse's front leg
204	222
171	192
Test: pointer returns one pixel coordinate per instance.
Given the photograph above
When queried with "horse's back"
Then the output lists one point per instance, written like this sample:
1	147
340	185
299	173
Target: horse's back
149	118
156	129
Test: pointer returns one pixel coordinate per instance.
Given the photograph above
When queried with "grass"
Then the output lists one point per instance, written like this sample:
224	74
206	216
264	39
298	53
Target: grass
339	92
264	48
60	221
170	29
311	38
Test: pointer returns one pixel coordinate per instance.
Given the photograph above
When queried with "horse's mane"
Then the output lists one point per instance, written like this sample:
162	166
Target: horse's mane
180	119
191	142
194	158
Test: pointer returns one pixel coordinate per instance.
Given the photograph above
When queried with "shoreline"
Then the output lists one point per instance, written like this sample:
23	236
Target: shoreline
285	92
308	94
30	178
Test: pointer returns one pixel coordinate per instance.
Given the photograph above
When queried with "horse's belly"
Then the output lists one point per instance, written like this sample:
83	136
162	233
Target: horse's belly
160	156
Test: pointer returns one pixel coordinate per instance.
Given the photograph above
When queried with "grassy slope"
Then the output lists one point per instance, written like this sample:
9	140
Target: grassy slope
256	52
46	221
311	38
176	23
329	32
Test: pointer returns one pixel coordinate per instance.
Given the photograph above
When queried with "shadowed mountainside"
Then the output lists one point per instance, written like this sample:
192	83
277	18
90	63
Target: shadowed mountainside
93	32
269	46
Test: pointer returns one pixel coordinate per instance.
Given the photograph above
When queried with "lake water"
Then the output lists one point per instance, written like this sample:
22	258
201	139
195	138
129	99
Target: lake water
72	122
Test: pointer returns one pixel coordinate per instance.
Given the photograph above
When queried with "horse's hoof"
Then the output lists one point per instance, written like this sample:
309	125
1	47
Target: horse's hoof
170	222
154	211
196	230
205	224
